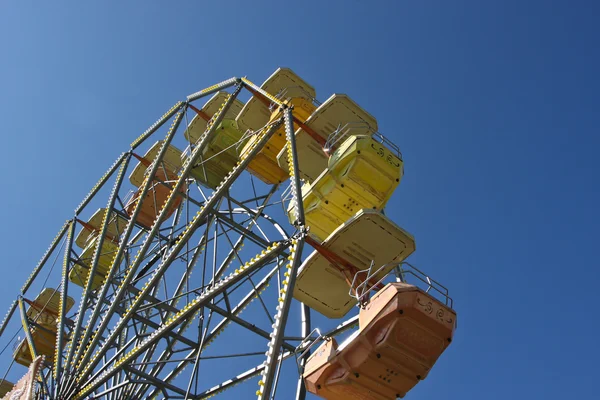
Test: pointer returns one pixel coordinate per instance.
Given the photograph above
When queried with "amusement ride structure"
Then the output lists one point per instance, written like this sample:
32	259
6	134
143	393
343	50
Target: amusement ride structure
221	207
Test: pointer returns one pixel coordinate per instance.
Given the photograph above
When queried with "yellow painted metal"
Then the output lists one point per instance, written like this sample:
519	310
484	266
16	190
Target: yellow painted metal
361	173
87	239
283	83
46	304
265	165
44	312
219	157
44	341
172	162
367	236
292	90
337	111
221	154
116	226
197	125
79	273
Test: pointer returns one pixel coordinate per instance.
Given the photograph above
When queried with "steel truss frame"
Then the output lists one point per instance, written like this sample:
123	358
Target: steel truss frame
131	335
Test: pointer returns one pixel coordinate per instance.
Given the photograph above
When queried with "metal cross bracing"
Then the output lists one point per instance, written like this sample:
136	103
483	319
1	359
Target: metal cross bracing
158	307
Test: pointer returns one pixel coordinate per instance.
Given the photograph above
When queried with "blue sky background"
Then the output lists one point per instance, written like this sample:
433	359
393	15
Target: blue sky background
494	105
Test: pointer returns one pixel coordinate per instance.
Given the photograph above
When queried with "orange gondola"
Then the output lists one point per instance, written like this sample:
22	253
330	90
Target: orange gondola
402	332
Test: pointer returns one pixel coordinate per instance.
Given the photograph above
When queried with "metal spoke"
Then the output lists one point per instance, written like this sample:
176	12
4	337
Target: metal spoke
152	286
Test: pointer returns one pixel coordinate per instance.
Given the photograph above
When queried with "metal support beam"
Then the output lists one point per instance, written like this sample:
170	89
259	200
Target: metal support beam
213	89
343	327
257	90
102	362
8	316
189	310
34	274
296	188
155	126
257	370
267	383
190	229
64	289
238	378
157	382
111	390
244	303
169	307
99	184
96	258
245	324
241	230
27	329
91	335
217	329
301	389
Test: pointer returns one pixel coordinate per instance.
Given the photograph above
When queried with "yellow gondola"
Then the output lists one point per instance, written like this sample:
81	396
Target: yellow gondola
159	192
367	236
222	152
338	112
255	114
402	332
88	239
361	173
44	312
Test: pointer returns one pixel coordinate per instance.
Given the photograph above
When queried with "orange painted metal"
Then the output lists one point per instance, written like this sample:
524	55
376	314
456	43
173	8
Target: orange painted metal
313	134
145	163
201	113
155	198
40	307
259	96
402	333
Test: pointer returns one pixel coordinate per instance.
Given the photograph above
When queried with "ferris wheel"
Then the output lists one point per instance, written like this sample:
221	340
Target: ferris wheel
226	253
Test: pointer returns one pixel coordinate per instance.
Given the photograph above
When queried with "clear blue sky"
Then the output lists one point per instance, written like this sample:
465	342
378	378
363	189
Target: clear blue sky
494	105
